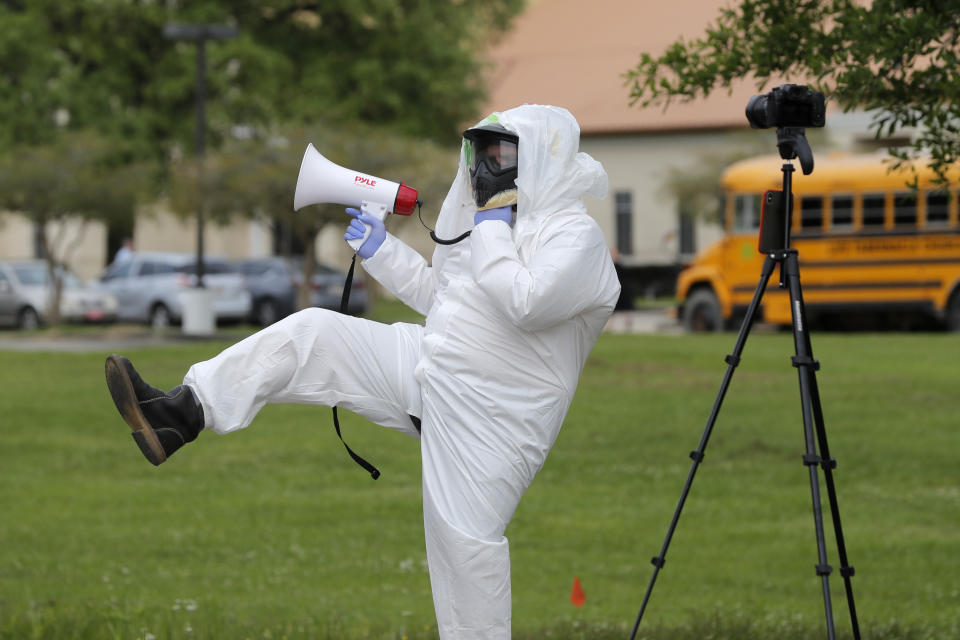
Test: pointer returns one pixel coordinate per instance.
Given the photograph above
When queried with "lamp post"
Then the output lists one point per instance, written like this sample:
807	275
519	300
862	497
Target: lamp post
198	311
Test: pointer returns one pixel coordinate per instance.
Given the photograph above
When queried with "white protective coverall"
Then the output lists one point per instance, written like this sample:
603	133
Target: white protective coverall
511	315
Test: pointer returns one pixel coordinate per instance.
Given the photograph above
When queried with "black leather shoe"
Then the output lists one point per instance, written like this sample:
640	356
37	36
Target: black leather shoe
161	422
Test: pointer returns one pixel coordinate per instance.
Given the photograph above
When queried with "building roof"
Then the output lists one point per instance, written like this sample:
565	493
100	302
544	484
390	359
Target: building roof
573	53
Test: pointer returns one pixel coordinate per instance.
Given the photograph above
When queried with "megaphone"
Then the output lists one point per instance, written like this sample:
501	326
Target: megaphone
321	180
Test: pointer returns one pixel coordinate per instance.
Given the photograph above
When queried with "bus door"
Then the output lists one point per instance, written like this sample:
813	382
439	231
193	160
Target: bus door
743	263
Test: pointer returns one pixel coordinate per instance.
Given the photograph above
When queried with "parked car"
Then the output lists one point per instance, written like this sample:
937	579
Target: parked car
148	287
272	283
26	295
272	288
326	289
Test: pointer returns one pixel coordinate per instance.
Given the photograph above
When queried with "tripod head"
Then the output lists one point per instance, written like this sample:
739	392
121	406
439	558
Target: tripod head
792	143
777	206
790	108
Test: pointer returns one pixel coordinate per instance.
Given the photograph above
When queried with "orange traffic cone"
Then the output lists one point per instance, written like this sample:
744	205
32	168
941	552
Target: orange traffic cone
577	596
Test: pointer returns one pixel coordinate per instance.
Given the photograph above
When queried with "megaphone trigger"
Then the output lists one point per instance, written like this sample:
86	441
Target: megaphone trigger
373	209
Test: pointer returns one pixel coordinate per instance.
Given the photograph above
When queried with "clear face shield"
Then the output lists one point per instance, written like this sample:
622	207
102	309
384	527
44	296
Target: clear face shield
499	156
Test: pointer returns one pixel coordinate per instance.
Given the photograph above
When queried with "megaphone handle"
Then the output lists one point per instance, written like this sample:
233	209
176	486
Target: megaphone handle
373	209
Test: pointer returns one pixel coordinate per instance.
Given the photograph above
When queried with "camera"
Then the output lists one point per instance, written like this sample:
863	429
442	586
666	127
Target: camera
789	105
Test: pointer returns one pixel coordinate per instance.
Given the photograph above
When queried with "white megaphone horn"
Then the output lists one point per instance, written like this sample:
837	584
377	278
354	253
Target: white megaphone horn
323	181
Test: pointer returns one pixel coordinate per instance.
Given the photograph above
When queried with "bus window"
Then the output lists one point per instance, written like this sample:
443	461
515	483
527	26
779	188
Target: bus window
938	208
746	212
811	212
873	210
905	209
842	215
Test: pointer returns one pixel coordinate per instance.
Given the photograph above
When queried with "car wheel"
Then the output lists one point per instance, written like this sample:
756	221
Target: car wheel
266	312
160	317
29	319
701	312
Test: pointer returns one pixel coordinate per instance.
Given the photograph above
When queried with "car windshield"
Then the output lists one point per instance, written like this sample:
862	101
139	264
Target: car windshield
324	270
117	270
319	270
35	275
254	268
208	268
30	274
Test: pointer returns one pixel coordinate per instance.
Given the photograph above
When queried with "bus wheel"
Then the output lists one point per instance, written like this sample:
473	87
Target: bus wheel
702	312
953	312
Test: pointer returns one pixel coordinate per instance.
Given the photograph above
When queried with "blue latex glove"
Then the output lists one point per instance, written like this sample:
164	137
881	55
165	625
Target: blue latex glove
500	213
358	226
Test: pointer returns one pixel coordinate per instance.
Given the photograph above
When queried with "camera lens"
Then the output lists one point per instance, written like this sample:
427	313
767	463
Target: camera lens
757	112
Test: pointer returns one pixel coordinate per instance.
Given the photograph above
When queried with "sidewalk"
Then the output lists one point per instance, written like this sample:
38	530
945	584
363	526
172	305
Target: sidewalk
110	339
659	321
117	338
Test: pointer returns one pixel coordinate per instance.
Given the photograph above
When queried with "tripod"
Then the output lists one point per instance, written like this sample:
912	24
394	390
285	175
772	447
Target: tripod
792	143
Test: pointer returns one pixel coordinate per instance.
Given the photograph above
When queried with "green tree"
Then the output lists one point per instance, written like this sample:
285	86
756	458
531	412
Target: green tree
411	65
895	58
76	179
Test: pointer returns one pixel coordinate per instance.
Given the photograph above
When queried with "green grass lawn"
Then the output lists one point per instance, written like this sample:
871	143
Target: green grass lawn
274	532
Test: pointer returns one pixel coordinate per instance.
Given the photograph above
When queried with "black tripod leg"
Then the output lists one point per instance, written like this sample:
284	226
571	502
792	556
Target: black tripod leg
829	464
732	361
806	365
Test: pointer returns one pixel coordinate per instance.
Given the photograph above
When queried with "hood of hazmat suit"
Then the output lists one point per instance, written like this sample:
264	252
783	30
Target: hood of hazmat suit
553	175
511	315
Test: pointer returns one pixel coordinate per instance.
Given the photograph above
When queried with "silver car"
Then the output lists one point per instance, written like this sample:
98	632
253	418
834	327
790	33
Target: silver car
26	295
149	287
273	283
326	289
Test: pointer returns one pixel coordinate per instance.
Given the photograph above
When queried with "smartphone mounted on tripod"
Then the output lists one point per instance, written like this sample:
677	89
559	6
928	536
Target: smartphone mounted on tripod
774	221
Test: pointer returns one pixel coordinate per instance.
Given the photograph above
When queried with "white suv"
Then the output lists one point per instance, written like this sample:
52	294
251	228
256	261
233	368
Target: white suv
148	287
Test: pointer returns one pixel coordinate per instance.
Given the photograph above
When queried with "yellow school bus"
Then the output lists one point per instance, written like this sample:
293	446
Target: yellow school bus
872	250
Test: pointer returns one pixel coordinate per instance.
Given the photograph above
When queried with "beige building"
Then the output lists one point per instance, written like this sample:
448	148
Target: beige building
574	54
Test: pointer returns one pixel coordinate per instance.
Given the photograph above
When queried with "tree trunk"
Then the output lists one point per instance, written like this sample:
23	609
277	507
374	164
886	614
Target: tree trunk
308	237
52	313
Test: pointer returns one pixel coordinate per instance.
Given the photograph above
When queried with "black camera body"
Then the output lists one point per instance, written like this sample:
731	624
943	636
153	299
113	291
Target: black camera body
789	105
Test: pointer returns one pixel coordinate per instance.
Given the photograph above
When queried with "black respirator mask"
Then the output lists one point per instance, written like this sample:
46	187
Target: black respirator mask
492	160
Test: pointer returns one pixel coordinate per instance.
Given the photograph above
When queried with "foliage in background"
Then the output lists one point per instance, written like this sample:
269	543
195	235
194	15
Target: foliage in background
62	186
411	65
895	58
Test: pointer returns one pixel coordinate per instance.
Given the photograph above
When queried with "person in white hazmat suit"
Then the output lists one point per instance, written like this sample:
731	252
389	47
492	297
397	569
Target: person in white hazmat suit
512	312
